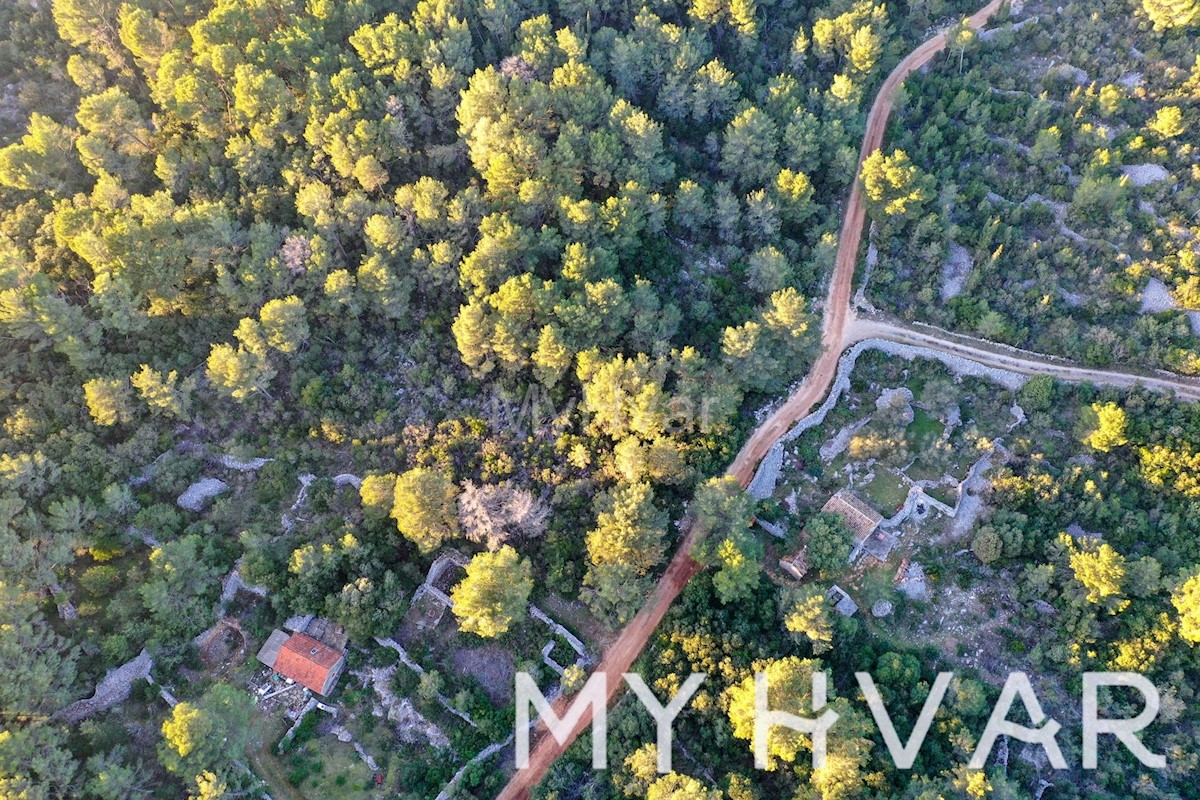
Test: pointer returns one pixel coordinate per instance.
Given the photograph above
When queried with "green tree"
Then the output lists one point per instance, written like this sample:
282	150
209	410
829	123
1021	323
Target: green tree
1047	147
1037	394
424	507
721	530
494	593
36	764
113	777
614	591
987	544
769	270
1099	200
44	159
179	589
208	735
39	663
829	541
750	148
367	610
739	558
118	136
720	507
91	25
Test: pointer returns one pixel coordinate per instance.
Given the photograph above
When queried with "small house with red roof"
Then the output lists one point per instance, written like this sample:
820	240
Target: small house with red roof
303	659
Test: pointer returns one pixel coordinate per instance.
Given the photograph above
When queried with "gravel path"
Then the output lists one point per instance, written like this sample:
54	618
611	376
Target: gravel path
991	360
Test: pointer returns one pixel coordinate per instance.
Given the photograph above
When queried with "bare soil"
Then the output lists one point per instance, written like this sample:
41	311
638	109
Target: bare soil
222	647
494	669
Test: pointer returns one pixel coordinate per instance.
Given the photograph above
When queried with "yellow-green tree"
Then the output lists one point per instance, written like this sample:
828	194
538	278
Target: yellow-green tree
424	507
675	786
1109	424
238	372
638	771
207	735
283	324
1167	122
629	529
1167	14
789	689
1186	599
378	494
209	787
164	394
494	592
973	783
893	185
806	616
864	49
1101	571
107	400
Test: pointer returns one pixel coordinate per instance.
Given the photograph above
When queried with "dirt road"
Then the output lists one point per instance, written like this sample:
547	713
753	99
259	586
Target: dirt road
620	656
837	301
617	660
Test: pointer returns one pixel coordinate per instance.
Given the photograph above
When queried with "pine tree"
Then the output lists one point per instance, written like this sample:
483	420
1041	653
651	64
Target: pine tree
494	593
893	185
284	324
806	615
424	508
108	400
1168	14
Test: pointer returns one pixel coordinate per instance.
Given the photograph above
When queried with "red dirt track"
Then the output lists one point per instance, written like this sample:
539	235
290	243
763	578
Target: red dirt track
633	638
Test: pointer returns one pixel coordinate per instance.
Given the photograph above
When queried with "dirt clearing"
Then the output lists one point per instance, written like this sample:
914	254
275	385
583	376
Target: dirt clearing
494	669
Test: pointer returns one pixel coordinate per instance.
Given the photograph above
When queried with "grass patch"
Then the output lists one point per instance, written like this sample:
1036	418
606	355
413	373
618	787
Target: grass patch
944	494
329	769
924	429
877	584
887	491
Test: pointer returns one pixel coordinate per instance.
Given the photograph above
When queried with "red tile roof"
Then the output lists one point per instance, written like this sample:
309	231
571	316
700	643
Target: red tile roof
860	517
308	662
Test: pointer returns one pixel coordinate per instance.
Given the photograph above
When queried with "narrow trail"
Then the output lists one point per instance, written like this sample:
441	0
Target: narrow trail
633	638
